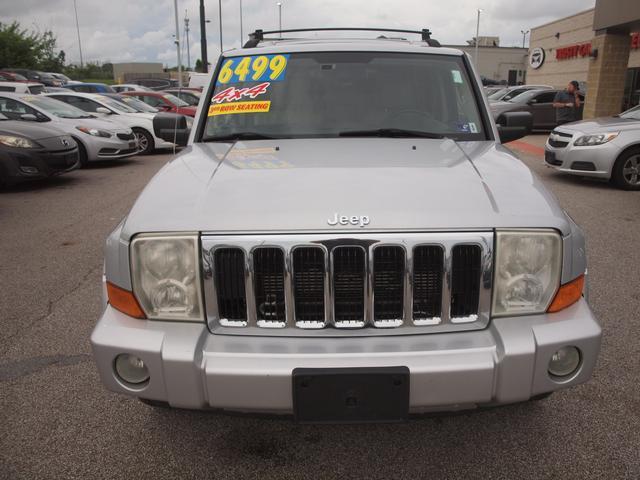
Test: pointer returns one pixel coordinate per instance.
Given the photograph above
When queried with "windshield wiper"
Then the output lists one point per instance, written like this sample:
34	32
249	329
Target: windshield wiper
241	136
390	132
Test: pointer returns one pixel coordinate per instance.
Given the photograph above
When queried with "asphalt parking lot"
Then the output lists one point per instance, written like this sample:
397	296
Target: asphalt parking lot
57	421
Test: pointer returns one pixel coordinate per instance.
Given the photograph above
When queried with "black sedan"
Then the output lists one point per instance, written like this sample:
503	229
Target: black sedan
30	151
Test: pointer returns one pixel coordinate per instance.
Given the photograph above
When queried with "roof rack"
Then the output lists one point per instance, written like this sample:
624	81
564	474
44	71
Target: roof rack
258	36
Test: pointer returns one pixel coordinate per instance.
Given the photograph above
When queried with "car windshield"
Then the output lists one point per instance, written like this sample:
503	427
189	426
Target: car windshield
332	94
56	107
499	94
632	113
138	105
114	104
175	100
524	97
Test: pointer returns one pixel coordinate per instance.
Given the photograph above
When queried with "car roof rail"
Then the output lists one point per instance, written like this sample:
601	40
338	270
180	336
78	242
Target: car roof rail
258	36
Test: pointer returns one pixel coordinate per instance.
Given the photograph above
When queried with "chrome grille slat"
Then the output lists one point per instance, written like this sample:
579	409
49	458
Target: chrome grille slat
385	284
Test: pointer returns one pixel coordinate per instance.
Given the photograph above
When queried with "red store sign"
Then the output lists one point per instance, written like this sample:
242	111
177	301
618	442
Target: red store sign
635	40
573	51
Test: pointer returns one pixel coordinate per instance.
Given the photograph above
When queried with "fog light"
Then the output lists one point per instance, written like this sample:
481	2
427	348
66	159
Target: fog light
131	369
564	362
29	170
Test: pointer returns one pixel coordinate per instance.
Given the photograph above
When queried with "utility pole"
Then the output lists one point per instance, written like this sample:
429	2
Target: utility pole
175	12
475	57
220	15
241	35
279	16
75	7
203	39
186	34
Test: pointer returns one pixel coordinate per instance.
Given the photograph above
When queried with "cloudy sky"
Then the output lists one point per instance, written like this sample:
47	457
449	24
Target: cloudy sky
142	30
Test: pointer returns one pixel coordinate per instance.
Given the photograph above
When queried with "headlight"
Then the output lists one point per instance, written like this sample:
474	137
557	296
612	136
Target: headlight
165	272
189	122
598	139
527	271
94	132
17	142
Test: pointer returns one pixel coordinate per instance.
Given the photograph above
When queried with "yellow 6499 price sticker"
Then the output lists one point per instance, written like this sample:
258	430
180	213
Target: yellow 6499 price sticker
256	68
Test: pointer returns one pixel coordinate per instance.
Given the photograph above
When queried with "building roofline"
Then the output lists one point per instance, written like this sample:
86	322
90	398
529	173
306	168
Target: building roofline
564	18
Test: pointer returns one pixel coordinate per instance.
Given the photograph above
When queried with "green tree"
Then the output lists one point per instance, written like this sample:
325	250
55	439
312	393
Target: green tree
22	48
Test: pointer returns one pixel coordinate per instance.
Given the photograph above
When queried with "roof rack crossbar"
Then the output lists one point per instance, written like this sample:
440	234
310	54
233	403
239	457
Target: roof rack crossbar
258	36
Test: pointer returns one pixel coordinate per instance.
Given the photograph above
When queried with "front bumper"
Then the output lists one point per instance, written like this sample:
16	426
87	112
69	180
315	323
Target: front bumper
192	368
99	148
594	161
21	164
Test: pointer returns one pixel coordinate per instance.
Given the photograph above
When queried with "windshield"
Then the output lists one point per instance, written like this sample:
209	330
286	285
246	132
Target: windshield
138	105
114	104
632	113
56	107
175	100
525	96
331	94
499	94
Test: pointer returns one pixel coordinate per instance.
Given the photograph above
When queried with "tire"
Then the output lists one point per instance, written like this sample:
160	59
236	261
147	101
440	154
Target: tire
145	140
82	153
626	170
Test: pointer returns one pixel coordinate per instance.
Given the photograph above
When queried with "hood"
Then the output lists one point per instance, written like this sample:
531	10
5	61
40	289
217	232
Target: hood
602	124
301	185
31	130
99	123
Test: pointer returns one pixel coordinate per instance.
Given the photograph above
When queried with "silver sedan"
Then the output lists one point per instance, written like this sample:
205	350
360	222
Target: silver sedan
607	147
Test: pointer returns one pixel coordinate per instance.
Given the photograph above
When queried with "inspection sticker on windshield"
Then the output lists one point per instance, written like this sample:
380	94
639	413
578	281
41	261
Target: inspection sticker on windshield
239	107
256	68
457	76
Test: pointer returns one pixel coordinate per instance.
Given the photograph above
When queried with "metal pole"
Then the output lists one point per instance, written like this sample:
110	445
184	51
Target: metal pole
524	36
175	12
241	34
475	57
279	15
186	34
220	17
75	7
203	39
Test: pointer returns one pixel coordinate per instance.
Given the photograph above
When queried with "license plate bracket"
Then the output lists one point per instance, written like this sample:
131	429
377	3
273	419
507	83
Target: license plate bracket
351	395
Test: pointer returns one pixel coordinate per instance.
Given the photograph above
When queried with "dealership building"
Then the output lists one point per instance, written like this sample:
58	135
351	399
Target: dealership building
599	47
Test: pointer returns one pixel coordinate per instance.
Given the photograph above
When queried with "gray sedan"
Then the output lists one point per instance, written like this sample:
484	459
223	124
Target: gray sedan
607	147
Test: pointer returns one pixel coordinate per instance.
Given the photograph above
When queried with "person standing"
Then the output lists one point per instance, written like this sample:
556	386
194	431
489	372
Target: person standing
567	104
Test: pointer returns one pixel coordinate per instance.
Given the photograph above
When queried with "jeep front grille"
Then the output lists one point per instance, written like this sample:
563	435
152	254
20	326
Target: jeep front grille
387	284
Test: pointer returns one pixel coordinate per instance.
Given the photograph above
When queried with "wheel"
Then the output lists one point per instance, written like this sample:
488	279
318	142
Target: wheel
626	171
82	153
145	141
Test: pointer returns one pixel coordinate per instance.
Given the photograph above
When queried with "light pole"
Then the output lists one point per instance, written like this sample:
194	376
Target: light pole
175	12
75	7
241	35
203	39
279	15
220	15
186	34
524	36
475	57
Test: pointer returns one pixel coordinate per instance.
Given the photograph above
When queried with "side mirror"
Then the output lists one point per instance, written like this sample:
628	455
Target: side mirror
514	125
163	107
29	117
172	128
532	101
103	110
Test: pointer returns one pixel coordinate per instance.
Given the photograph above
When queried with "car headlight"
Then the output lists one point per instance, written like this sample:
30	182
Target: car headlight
94	132
189	122
17	142
165	272
527	271
597	139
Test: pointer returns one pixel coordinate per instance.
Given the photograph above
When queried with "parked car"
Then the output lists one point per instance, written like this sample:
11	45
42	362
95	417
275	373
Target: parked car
56	89
35	76
165	102
606	147
155	84
189	95
97	139
12	77
537	102
90	88
63	78
30	151
133	102
130	87
199	80
105	107
22	87
508	93
340	243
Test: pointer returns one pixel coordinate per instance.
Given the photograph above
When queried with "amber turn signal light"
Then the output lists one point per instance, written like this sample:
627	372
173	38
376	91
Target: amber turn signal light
123	300
567	295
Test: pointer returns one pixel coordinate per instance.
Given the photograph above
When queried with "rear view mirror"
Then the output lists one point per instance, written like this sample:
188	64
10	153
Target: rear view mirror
172	128
514	125
104	110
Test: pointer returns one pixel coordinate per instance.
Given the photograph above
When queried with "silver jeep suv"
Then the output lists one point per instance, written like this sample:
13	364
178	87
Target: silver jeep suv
344	238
